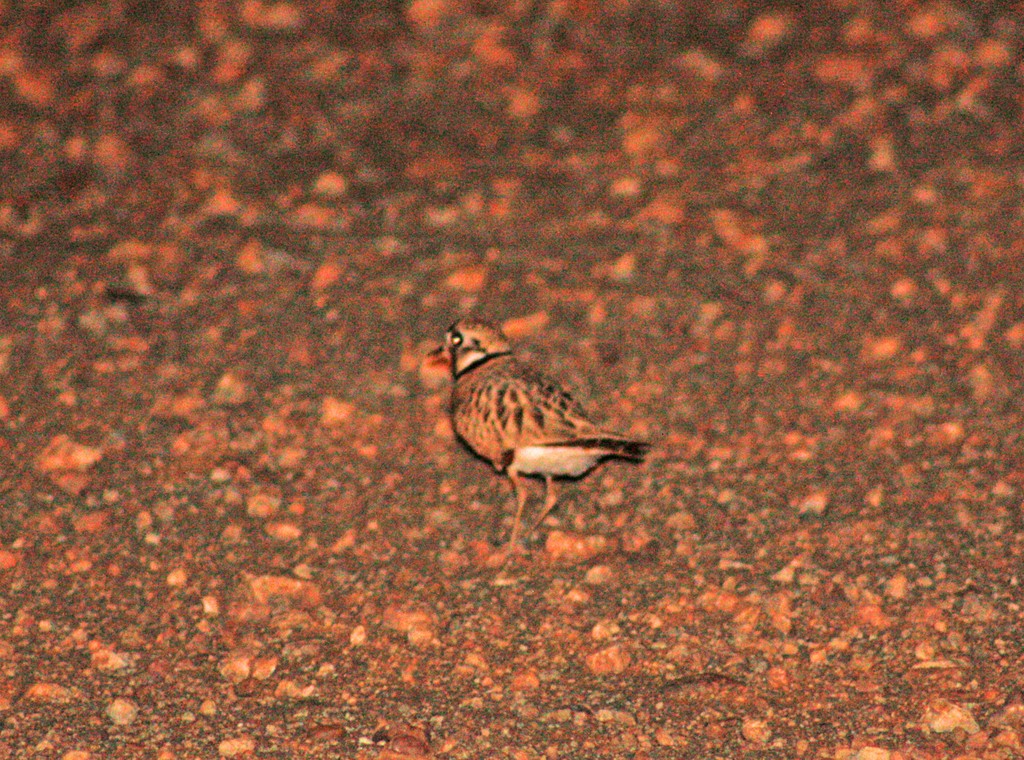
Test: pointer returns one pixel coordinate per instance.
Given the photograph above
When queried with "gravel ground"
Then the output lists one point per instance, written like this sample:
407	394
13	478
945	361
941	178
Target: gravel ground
783	244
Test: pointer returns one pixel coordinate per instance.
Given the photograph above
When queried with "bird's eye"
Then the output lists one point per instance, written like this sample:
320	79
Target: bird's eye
456	339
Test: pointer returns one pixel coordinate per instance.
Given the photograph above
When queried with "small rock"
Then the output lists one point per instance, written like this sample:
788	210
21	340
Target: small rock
613	659
53	693
405	742
420	636
604	630
63	454
211	605
331	184
418	625
404	619
624	267
289	689
879	349
872	753
767	31
181	406
572	547
943	716
335	412
599	575
526	680
272	16
521	327
326	275
982	383
109	660
425	15
231	390
467	279
872	614
626	187
239	745
523	103
283	530
756	730
634	540
264	667
664	738
262	505
122	711
778	678
779	607
251	258
814	504
1008	737
788	573
93	522
1011	716
682	520
267	587
897	587
237	666
851	401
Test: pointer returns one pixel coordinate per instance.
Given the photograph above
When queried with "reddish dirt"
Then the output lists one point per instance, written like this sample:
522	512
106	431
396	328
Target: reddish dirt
783	245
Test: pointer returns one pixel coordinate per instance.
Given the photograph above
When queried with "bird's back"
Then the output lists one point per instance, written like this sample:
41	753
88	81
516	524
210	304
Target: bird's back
504	404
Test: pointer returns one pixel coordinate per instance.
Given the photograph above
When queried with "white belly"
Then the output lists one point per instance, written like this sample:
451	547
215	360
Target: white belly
561	461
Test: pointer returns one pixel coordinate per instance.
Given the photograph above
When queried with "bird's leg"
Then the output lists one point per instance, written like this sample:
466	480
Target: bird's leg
519	486
550	498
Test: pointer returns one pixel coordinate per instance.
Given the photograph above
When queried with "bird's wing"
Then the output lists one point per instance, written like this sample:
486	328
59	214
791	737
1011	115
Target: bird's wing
539	411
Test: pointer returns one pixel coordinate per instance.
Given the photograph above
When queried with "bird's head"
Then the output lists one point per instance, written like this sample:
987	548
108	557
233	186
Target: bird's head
471	341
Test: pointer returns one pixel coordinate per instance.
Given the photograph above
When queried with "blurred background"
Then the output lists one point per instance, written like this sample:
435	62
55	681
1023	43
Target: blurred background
782	242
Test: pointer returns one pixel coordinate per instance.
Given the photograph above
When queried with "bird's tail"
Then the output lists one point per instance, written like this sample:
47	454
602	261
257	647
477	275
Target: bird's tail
612	444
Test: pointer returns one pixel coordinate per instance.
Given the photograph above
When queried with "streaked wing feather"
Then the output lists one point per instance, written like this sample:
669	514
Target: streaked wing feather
551	413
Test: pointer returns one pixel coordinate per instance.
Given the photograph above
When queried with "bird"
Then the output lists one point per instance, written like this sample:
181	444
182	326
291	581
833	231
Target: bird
520	420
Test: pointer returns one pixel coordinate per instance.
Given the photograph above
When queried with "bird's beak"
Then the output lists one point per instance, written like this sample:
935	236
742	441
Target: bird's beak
438	358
